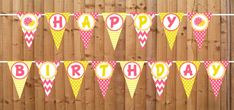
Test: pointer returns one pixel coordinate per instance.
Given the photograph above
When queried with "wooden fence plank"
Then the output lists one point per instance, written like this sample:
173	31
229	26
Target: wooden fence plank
171	55
99	52
118	77
39	56
202	78
79	52
1	54
232	54
17	51
58	55
50	102
183	53
151	55
131	40
28	54
140	55
214	48
6	48
161	45
109	54
90	90
224	94
68	55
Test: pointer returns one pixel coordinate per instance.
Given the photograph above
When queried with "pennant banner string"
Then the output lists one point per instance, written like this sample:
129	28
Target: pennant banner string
121	61
126	14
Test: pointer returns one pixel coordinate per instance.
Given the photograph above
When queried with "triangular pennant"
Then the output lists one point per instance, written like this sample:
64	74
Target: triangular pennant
216	72
29	23
86	23
160	72
57	22
19	72
104	71
142	23
47	72
75	73
199	22
114	24
132	72
171	23
188	74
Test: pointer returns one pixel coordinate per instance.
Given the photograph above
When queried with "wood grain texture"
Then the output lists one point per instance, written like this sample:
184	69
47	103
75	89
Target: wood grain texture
215	47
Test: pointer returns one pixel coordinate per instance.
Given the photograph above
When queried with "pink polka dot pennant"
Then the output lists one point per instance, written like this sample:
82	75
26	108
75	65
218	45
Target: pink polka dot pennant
86	25
103	81
216	82
199	22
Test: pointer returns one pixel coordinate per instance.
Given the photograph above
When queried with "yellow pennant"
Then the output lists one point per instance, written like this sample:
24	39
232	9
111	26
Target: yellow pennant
114	24
75	73
19	72
171	23
132	72
57	23
188	73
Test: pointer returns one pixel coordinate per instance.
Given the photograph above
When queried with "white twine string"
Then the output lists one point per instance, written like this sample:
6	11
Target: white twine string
127	14
116	61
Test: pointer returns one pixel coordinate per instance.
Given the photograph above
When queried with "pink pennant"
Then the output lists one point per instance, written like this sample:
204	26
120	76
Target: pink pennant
86	34
47	83
103	83
199	34
159	83
142	34
29	25
216	83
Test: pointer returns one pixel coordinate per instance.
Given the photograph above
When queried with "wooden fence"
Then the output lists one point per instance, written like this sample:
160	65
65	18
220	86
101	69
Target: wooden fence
13	47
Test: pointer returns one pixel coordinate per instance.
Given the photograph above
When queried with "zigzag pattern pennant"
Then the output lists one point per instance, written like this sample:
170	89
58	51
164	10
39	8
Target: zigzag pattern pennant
159	71
142	23
47	71
29	23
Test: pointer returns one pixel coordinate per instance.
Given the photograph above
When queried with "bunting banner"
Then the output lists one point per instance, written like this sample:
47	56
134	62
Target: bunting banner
19	72
86	23
47	72
171	23
216	72
75	73
114	24
188	74
199	22
104	72
142	23
29	23
160	72
57	23
132	71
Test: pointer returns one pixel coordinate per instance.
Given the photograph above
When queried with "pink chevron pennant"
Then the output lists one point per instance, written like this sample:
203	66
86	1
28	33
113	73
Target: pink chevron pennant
142	23
199	22
86	23
47	71
29	23
216	72
104	71
159	71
